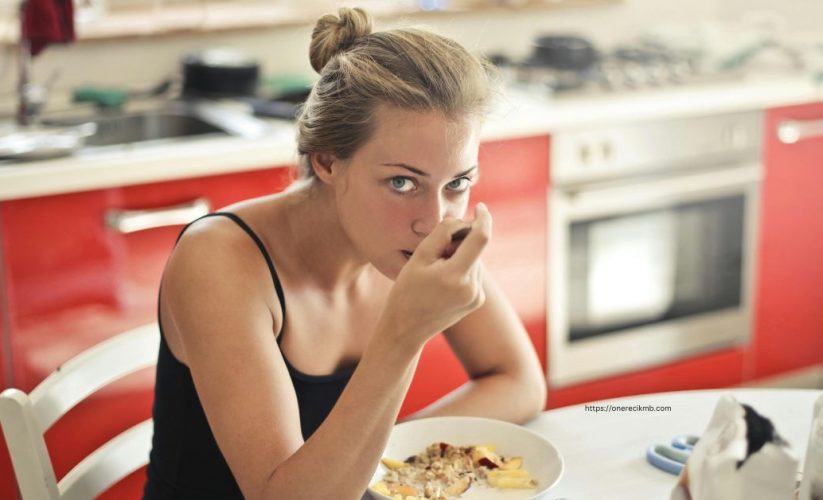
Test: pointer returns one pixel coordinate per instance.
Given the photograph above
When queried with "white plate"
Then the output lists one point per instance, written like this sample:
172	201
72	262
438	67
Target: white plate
540	457
37	143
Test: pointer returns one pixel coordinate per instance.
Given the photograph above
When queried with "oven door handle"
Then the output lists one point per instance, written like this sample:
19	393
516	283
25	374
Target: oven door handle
584	203
792	131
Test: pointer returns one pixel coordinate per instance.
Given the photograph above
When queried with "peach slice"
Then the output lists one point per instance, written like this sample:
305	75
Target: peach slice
380	487
512	463
483	456
406	491
392	464
459	486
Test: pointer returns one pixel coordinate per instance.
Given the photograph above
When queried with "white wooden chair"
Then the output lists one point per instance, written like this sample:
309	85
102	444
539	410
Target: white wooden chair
26	417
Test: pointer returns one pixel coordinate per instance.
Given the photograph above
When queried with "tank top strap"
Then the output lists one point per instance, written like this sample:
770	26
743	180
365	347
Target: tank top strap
245	227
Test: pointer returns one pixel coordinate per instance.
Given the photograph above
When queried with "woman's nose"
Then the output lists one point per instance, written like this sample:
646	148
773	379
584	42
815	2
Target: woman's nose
429	214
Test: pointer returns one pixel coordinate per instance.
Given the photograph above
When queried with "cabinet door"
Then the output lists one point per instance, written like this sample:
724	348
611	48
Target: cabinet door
7	488
513	183
73	281
5	354
789	313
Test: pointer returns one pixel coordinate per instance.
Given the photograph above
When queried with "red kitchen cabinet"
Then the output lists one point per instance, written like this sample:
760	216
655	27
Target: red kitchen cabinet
5	366
514	178
71	281
719	369
789	295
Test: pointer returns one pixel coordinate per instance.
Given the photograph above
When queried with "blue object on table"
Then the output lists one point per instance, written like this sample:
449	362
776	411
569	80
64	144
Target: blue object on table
667	458
685	441
672	458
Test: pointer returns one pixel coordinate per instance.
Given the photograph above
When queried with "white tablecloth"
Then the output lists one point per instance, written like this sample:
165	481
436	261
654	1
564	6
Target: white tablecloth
605	452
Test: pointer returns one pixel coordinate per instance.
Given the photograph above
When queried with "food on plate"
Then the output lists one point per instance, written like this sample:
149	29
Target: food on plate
444	471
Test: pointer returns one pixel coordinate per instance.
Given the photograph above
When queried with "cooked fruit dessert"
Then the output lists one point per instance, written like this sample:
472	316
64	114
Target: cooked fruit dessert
444	471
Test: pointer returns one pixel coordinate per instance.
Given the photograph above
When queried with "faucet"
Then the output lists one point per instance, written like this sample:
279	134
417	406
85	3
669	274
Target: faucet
31	96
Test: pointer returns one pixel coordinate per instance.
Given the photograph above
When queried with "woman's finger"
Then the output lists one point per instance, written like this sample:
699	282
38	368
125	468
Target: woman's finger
437	242
474	243
477	276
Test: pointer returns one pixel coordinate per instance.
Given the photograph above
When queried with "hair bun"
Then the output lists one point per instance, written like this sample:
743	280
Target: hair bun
333	34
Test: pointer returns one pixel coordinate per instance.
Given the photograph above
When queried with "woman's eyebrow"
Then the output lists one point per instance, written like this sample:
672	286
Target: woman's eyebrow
424	174
466	172
407	167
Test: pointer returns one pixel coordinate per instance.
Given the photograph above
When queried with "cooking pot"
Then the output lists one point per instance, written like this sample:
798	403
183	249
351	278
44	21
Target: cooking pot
564	52
220	72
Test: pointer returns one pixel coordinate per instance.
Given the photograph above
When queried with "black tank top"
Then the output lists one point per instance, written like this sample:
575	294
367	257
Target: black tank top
185	461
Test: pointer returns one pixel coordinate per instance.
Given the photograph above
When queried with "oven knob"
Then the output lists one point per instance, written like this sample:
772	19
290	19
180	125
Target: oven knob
607	150
584	151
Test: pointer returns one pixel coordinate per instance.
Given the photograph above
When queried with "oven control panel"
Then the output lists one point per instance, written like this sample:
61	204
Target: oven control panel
616	151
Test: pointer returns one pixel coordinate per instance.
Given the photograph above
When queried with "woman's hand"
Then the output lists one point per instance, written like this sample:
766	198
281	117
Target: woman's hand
440	284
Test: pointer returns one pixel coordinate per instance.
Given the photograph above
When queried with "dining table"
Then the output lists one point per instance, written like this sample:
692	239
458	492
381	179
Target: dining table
603	443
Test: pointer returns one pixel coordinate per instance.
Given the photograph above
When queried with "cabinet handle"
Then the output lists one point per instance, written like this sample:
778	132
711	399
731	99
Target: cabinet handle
129	221
792	131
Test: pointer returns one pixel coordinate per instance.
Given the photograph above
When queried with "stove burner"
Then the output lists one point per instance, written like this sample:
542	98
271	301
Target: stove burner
632	66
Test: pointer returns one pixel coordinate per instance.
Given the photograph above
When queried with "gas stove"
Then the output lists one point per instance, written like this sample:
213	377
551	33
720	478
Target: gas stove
624	68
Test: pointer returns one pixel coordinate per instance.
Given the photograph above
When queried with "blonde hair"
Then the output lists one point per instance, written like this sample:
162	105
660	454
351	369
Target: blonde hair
359	69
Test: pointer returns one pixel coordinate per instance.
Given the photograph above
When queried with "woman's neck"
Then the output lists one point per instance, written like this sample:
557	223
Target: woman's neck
320	246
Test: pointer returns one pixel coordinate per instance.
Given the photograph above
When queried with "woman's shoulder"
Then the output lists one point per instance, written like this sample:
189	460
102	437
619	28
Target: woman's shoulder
220	252
216	276
217	235
229	228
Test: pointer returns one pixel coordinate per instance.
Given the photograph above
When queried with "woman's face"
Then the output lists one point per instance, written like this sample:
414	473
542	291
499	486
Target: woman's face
416	169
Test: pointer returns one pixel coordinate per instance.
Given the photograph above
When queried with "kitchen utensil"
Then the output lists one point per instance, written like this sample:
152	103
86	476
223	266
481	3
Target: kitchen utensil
456	239
220	72
667	458
685	442
559	62
564	52
672	458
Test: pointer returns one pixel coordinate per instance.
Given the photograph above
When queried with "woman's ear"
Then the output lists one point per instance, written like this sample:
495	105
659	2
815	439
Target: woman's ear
324	166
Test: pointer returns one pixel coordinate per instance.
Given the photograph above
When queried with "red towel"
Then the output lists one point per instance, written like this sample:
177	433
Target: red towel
47	21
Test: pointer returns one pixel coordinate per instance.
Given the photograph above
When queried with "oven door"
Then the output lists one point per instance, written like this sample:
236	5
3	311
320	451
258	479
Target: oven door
650	271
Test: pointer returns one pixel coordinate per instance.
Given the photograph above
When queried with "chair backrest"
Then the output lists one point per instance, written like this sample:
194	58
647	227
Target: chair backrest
26	417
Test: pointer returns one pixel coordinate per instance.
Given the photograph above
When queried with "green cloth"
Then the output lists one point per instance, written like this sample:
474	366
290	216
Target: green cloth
105	97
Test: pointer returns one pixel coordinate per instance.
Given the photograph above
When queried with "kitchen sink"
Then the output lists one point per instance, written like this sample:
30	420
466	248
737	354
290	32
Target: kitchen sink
149	126
172	122
177	121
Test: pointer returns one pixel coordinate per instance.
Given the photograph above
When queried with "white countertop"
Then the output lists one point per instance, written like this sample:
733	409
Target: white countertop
604	452
520	113
526	113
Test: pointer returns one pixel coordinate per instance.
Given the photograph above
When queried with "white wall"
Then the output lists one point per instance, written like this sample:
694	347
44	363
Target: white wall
803	17
144	61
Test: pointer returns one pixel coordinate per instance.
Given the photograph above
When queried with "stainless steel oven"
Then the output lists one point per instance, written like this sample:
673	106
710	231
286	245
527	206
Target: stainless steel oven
651	242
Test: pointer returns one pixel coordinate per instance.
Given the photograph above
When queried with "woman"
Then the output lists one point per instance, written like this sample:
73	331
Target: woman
260	400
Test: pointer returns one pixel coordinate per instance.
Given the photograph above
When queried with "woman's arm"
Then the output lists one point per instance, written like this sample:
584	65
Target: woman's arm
227	333
506	380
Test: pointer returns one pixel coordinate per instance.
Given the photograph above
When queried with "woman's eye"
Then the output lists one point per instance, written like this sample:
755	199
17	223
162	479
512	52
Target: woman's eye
459	185
402	184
